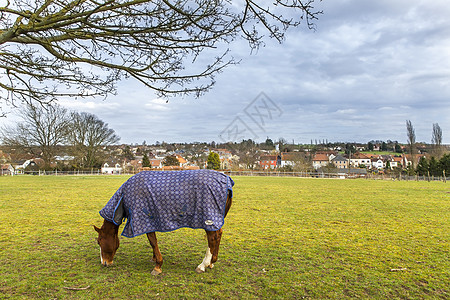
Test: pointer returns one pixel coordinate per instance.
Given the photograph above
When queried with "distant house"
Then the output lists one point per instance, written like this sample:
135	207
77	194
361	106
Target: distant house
113	169
20	166
134	164
359	159
181	160
392	161
377	163
160	153
292	158
223	153
340	162
408	159
225	164
397	161
227	159
6	169
287	159
156	163
269	161
321	160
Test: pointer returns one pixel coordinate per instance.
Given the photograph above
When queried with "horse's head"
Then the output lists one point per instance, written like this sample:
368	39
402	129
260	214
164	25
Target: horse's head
108	239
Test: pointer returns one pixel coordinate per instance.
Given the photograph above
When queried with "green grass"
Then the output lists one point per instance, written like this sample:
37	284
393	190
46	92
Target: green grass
382	153
284	238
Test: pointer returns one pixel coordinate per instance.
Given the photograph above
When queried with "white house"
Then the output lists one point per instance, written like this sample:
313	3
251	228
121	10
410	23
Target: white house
6	169
359	159
156	163
378	163
116	169
19	167
322	160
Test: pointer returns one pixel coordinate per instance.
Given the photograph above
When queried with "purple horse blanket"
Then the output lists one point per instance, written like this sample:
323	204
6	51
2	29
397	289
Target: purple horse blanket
168	200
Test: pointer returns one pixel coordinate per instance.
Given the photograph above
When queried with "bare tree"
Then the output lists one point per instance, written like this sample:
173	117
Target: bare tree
42	129
436	140
89	135
81	48
249	158
301	162
411	134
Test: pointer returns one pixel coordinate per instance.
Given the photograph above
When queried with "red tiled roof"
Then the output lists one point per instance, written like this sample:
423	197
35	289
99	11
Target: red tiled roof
359	155
155	162
321	157
181	160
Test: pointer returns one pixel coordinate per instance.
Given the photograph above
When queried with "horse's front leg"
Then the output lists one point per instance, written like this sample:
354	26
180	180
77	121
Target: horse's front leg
212	251
157	257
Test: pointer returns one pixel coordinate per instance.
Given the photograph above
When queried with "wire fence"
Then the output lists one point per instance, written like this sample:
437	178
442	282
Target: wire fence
343	175
62	173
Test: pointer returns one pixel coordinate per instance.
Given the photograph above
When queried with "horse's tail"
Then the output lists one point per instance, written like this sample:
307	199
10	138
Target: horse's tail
229	202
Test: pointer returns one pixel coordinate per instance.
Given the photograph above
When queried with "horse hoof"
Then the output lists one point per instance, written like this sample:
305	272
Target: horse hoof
199	270
156	272
211	266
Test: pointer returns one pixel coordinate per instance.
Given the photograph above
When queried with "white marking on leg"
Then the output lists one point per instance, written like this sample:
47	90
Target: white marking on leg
206	261
101	257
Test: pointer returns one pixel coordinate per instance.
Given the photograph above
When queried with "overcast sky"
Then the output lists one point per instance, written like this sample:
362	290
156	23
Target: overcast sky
369	67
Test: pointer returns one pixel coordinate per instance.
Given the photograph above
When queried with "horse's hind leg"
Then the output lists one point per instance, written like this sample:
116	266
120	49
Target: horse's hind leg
212	251
217	237
157	257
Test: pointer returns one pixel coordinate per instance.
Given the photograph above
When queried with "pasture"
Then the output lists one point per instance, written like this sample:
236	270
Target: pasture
284	238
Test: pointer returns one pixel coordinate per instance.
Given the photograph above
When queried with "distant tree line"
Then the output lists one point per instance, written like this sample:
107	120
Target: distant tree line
43	129
385	146
433	166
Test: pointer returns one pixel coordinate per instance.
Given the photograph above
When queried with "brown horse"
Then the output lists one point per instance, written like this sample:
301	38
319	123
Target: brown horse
108	234
108	239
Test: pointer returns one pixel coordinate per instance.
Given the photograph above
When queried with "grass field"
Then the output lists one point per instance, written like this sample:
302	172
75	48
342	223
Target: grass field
284	238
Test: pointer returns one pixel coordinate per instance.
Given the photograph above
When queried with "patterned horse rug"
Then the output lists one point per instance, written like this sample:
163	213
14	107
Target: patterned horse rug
168	200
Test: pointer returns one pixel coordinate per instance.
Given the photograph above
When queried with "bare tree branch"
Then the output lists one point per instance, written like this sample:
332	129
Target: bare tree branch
81	48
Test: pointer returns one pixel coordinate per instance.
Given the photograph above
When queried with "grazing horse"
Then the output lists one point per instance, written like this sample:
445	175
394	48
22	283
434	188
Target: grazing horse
164	201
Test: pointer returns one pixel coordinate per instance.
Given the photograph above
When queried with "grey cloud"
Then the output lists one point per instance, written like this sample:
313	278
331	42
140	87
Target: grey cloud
368	67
